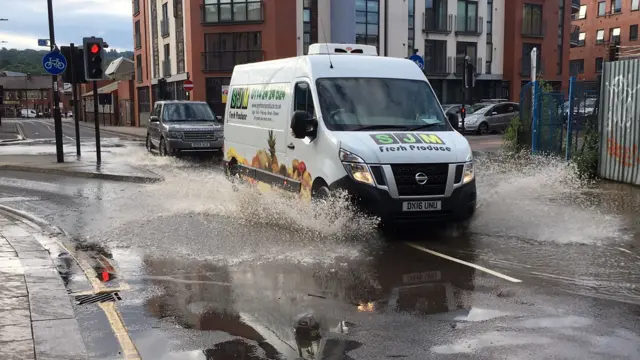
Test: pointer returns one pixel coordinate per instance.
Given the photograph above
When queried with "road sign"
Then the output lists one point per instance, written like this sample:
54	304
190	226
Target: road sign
188	85
43	42
418	60
54	62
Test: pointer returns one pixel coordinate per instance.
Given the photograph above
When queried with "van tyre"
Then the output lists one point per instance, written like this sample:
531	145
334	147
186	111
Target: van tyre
483	128
321	193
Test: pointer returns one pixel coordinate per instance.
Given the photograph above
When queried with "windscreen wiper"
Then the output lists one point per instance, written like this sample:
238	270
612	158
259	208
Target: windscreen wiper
379	127
425	126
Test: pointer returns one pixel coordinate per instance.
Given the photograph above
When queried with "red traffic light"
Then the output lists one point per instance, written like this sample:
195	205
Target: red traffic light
94	49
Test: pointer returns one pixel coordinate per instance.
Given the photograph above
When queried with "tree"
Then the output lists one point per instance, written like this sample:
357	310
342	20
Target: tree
30	61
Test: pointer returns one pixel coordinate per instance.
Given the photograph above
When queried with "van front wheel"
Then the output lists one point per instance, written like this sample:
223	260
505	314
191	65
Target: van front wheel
321	193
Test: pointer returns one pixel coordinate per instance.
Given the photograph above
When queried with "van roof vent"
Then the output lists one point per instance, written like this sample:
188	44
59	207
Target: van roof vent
342	49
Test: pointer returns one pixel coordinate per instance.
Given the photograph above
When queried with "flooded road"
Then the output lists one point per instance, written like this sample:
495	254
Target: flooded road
548	268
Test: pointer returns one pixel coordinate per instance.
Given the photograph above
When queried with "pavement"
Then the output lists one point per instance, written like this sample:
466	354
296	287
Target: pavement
37	320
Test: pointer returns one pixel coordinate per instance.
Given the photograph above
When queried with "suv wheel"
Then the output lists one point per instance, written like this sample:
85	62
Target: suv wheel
163	147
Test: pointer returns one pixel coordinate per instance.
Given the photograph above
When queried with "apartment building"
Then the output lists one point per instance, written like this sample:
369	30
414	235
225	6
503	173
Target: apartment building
598	25
545	26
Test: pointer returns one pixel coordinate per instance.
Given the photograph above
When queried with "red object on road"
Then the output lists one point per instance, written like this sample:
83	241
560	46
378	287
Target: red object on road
188	85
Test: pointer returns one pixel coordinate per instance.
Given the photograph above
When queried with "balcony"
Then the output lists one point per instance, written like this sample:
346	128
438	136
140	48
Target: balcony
574	38
438	66
575	6
224	61
459	61
164	28
469	25
166	68
437	24
238	13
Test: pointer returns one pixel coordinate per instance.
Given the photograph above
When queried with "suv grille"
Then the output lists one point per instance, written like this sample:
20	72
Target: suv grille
200	135
405	176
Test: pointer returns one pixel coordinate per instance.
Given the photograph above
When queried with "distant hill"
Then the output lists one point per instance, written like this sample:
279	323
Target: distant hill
30	61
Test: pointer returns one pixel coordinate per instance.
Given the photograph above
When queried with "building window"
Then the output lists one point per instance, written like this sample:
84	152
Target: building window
616	6
136	7
633	32
215	11
602	8
138	38
139	68
309	23
583	12
526	58
614	35
436	16
581	38
464	50
435	57
367	22
467	20
600	36
164	22
599	62
223	51
489	58
635	5
532	20
560	63
576	67
412	28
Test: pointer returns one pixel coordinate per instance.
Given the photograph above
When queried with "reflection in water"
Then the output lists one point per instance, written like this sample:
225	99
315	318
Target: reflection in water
291	310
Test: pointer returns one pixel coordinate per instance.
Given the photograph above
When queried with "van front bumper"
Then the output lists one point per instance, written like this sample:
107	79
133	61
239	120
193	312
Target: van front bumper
459	206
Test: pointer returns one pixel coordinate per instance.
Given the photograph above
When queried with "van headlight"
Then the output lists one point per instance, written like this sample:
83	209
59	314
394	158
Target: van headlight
356	167
468	174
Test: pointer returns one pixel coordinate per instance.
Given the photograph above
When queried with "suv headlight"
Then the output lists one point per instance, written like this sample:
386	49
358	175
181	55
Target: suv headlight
175	135
356	167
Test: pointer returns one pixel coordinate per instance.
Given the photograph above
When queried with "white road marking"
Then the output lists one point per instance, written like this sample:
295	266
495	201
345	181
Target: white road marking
18	198
477	267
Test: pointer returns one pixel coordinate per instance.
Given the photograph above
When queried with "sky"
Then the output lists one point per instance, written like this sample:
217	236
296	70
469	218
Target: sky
73	20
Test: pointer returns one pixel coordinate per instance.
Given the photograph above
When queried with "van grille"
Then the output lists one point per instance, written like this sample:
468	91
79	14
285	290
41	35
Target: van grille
405	176
200	135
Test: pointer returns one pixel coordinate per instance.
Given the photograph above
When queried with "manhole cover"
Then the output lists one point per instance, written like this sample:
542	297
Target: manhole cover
97	298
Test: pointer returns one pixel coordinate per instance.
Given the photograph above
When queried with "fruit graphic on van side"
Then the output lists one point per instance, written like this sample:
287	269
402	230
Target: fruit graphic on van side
267	160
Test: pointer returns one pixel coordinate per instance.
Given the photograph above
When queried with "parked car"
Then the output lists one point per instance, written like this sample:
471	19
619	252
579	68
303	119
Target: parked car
494	101
183	126
492	117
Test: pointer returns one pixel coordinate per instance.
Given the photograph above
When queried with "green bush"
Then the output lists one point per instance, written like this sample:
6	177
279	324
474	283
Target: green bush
586	158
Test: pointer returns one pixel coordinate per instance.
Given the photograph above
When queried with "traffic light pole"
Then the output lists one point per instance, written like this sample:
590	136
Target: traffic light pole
75	97
95	120
57	120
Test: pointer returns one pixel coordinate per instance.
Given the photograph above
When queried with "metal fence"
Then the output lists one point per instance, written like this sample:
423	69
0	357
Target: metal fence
541	119
619	122
581	114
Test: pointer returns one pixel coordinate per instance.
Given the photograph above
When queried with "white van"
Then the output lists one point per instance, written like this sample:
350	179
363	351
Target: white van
28	113
344	118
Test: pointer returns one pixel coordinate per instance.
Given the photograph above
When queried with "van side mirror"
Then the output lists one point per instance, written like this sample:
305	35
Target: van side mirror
303	125
453	120
154	119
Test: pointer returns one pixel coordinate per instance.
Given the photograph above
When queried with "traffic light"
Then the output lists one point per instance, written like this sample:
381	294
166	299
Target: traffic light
162	89
75	66
469	75
93	49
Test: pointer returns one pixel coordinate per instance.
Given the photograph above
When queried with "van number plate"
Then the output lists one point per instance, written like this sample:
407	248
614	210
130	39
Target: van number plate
422	205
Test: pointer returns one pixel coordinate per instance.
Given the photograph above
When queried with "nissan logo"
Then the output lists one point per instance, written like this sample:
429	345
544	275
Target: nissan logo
421	178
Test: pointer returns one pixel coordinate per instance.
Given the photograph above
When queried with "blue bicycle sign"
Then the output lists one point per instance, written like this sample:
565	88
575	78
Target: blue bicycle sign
54	62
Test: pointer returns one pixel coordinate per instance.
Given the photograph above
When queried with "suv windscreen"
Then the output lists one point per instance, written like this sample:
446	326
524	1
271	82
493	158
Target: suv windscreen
352	104
188	112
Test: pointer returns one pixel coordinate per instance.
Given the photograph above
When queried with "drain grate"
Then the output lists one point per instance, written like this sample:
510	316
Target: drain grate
97	298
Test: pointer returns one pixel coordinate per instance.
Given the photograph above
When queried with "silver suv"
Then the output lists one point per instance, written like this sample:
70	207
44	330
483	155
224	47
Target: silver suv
184	126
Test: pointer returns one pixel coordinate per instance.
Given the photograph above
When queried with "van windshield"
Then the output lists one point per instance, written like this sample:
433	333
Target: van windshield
357	104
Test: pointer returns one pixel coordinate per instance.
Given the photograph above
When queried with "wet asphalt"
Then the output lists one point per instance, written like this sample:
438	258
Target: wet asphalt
547	269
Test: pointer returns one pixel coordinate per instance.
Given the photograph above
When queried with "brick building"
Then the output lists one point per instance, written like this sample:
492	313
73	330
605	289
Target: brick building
29	92
598	25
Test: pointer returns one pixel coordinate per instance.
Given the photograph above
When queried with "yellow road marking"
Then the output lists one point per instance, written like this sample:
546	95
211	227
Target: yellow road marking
477	267
119	329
